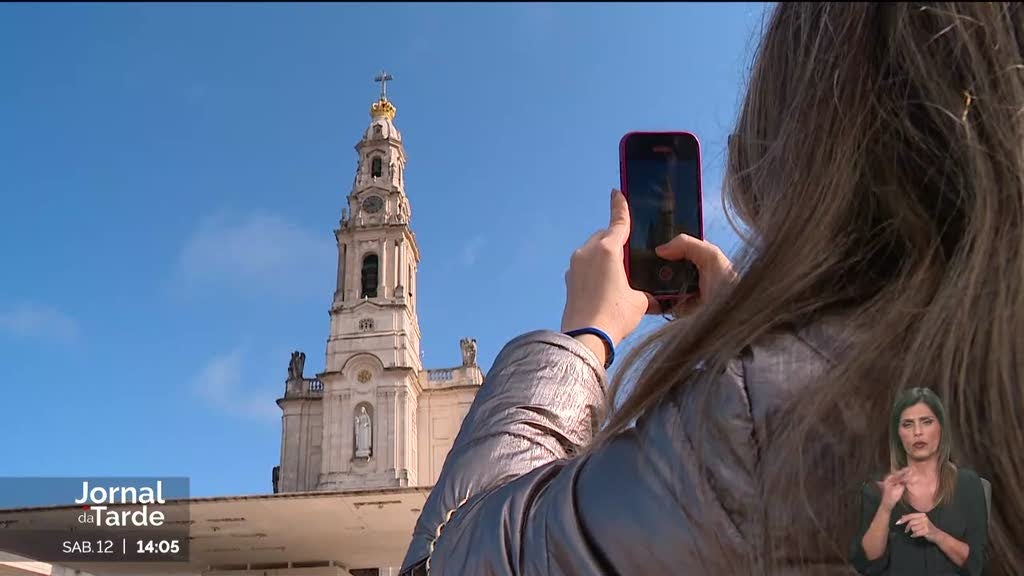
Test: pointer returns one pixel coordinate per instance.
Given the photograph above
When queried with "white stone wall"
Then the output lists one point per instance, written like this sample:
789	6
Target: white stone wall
301	444
446	398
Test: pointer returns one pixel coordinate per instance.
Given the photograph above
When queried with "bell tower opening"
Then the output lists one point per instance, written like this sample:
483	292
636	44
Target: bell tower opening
369	276
376	167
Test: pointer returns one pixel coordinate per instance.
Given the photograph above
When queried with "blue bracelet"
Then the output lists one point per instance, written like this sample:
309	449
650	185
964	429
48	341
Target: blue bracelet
608	346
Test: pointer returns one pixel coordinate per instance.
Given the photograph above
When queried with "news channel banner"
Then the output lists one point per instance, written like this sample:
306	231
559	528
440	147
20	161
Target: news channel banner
99	519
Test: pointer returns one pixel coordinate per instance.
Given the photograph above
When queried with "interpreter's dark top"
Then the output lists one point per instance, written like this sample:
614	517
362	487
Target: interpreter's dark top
964	517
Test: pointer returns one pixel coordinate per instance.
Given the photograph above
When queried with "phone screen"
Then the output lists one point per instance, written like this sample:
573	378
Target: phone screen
662	185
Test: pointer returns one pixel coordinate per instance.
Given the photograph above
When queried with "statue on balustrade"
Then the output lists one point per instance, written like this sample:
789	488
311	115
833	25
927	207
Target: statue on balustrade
296	365
468	351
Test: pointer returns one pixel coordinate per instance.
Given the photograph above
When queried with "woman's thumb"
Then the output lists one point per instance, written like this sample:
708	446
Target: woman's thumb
684	247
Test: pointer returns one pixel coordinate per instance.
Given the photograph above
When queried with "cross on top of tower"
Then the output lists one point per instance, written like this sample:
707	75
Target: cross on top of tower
383	107
383	78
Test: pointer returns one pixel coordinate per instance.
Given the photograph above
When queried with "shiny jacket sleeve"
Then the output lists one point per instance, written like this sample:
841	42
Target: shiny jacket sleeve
513	496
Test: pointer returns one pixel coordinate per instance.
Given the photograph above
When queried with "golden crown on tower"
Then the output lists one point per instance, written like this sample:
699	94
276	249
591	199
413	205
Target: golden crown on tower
383	107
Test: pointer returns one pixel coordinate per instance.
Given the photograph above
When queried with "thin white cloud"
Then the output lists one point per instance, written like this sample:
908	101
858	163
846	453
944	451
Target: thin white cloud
256	250
471	250
30	320
221	383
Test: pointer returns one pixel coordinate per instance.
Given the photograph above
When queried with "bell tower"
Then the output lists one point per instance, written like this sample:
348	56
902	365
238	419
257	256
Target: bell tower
373	352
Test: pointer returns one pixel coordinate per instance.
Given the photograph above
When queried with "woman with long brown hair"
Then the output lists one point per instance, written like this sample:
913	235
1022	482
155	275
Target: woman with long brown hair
877	169
927	516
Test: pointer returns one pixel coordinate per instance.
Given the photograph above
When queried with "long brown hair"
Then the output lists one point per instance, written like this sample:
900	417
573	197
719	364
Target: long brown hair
897	451
877	168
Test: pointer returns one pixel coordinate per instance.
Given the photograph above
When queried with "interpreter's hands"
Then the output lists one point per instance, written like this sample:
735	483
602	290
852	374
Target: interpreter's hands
919	526
892	487
598	293
713	265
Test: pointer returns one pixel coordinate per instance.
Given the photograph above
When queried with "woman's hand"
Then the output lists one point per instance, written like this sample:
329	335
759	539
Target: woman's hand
598	293
892	488
597	290
713	265
919	525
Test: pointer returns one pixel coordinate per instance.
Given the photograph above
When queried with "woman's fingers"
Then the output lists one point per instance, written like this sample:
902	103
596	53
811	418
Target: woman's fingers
686	247
909	517
712	264
897	477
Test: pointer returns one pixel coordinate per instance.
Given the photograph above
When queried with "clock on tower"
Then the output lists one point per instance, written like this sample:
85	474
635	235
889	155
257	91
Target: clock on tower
373	204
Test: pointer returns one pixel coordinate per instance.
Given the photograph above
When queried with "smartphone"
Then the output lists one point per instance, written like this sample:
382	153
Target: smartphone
660	177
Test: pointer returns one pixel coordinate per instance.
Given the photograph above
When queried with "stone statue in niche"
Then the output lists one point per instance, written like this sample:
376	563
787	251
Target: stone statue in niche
468	351
296	365
364	434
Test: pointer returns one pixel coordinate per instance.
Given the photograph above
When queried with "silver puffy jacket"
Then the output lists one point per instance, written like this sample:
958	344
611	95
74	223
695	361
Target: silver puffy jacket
513	499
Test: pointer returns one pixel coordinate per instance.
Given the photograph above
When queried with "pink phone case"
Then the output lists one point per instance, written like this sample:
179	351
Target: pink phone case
664	299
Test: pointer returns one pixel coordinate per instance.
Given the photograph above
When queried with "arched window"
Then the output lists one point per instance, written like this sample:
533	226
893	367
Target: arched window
369	284
376	167
377	131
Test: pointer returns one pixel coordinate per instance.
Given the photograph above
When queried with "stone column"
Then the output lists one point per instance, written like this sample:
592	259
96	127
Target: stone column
392	431
346	435
291	445
339	292
413	414
327	448
381	451
399	288
402	428
382	269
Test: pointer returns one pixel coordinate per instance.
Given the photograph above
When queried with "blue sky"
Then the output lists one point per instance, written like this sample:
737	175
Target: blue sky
171	176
